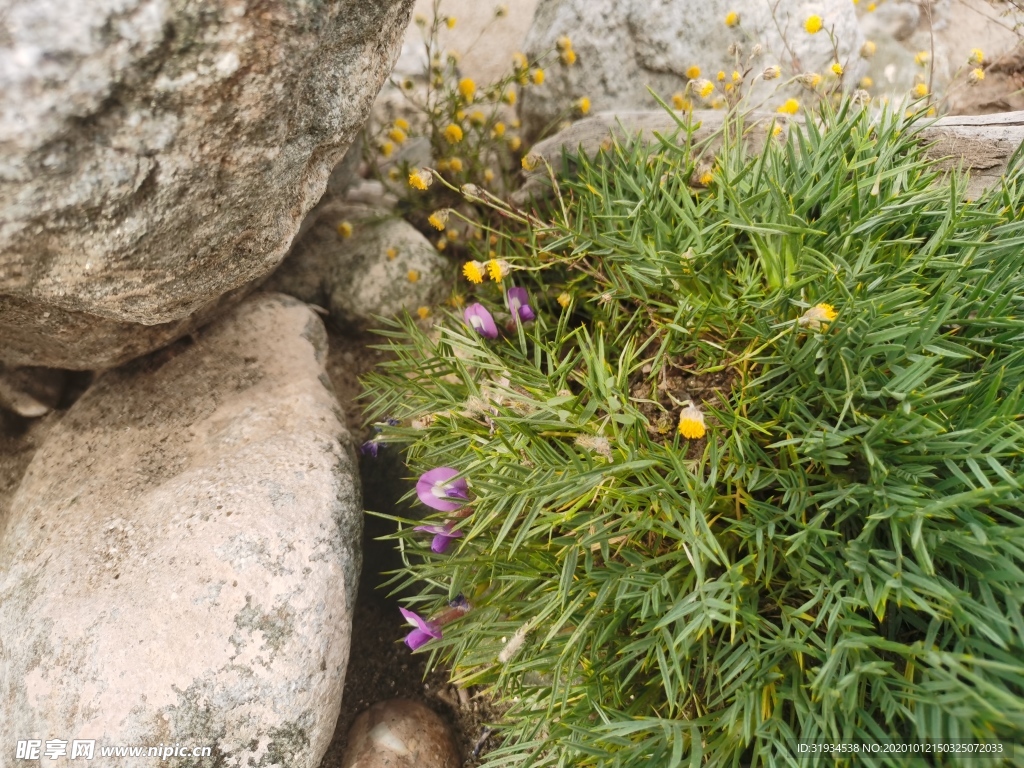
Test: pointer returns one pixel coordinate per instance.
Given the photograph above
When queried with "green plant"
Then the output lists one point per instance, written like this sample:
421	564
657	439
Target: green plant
838	559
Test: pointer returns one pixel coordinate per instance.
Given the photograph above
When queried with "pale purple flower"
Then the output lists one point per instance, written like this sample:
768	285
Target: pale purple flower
478	318
424	631
439	491
370	448
519	304
443	536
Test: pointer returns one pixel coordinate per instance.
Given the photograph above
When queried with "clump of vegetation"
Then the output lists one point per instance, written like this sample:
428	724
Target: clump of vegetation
723	460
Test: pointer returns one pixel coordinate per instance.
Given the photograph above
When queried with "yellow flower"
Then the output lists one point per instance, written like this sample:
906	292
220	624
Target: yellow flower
397	135
392	253
457	300
816	315
866	82
693	72
453	133
477	117
976	57
538	76
509	97
868	49
705	88
691	423
438	219
776	131
736	76
530	162
790	107
423	312
443	164
497	269
564	299
706	178
871	7
412	275
920	90
387	148
732	19
394	174
402	124
563	43
837	68
467	88
772	72
450	21
720	76
442	243
583	105
345	229
515	143
452	234
813	24
455	165
568	57
474	271
519	61
498	130
420	179
976	76
680	102
488	175
921	58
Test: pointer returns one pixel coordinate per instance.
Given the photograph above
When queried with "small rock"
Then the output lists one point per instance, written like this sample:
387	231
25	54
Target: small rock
383	267
400	733
30	392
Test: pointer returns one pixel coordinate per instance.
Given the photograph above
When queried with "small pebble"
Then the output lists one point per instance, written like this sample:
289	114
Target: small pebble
399	733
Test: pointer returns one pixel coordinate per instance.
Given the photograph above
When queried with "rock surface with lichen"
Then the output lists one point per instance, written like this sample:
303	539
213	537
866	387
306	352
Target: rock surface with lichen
624	48
180	560
157	157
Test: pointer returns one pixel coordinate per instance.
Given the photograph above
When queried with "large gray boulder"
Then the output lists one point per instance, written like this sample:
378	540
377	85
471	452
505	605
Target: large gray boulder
180	561
625	46
157	157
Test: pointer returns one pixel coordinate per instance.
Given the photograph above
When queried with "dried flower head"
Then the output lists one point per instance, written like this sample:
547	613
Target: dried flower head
772	72
816	315
598	445
439	218
691	422
420	179
530	161
498	269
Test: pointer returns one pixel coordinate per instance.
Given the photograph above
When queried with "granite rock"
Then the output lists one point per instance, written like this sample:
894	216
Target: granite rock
158	156
180	560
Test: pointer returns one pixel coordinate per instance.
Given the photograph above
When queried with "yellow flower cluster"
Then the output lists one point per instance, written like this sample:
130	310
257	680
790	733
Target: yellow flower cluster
439	219
732	19
813	24
420	179
478	271
565	52
583	105
467	88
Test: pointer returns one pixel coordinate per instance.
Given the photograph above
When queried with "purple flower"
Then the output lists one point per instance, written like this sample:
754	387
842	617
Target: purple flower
478	318
435	490
519	304
424	630
370	448
443	536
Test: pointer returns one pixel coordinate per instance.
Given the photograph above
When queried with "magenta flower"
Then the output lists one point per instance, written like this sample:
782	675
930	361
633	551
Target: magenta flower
478	318
424	631
443	536
435	490
519	304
